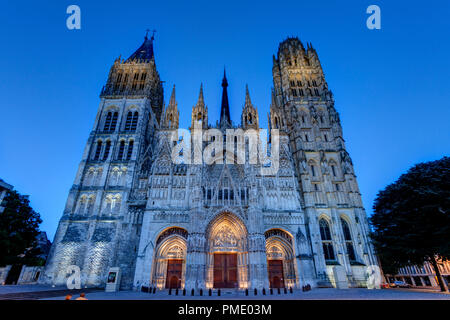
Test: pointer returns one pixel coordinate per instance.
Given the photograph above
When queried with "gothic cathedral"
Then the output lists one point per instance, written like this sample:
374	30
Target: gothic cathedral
176	225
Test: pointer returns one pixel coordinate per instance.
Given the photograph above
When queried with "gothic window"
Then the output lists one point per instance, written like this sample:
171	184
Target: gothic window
107	121
130	149
134	121
333	169
327	244
128	121
306	138
292	83
114	121
337	186
314	83
313	170
294	92
121	150
98	150
325	137
107	148
299	83
348	240
301	92
316	92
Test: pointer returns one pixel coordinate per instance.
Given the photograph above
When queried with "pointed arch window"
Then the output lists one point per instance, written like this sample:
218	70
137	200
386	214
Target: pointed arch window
130	149
98	150
111	121
333	169
128	121
134	121
121	150
348	240
107	121
114	121
313	169
327	244
107	149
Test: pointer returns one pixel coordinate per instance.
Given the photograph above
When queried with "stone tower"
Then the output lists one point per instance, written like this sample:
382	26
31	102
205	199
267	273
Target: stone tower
303	108
98	229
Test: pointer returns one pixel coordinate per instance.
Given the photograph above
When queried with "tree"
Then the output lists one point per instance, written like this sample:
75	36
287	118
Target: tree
412	220
19	227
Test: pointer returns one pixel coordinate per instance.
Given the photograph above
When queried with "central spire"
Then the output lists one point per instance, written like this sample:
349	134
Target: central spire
225	119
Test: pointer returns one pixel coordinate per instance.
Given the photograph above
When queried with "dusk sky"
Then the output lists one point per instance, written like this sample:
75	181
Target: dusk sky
391	86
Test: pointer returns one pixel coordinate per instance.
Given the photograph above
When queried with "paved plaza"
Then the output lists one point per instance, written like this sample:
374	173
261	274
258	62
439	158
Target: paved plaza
35	292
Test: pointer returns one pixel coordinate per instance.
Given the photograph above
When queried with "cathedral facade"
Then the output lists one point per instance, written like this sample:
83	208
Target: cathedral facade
172	224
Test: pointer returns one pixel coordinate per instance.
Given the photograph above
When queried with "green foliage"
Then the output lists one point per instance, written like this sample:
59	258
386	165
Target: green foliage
19	226
412	220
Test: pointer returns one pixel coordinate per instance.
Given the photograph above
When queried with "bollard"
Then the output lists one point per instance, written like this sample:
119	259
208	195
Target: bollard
285	290
192	292
154	290
290	290
201	292
184	291
176	292
278	291
264	291
256	292
218	292
246	292
209	292
271	291
170	291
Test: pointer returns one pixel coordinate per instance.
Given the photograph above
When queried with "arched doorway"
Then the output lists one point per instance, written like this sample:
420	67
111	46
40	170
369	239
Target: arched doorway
280	259
170	259
227	259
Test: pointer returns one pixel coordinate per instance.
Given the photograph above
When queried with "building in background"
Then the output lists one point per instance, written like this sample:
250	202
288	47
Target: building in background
4	188
170	225
421	276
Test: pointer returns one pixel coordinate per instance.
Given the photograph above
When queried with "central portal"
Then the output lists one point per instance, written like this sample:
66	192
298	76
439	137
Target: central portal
225	270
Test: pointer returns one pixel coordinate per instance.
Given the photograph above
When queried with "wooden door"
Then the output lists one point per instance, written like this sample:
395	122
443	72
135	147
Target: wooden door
276	279
225	270
174	271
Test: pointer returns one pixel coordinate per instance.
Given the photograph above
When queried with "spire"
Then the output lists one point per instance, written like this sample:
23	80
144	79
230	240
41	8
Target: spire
225	119
172	101
145	51
248	101
201	100
200	111
249	116
171	114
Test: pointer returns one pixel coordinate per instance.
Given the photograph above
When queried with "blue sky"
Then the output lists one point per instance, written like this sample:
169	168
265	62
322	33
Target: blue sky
391	85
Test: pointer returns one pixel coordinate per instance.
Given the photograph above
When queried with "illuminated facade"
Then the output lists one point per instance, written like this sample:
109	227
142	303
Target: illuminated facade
214	225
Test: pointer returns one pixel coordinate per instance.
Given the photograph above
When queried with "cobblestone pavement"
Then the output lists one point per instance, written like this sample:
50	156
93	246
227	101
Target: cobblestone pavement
29	292
315	294
33	292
